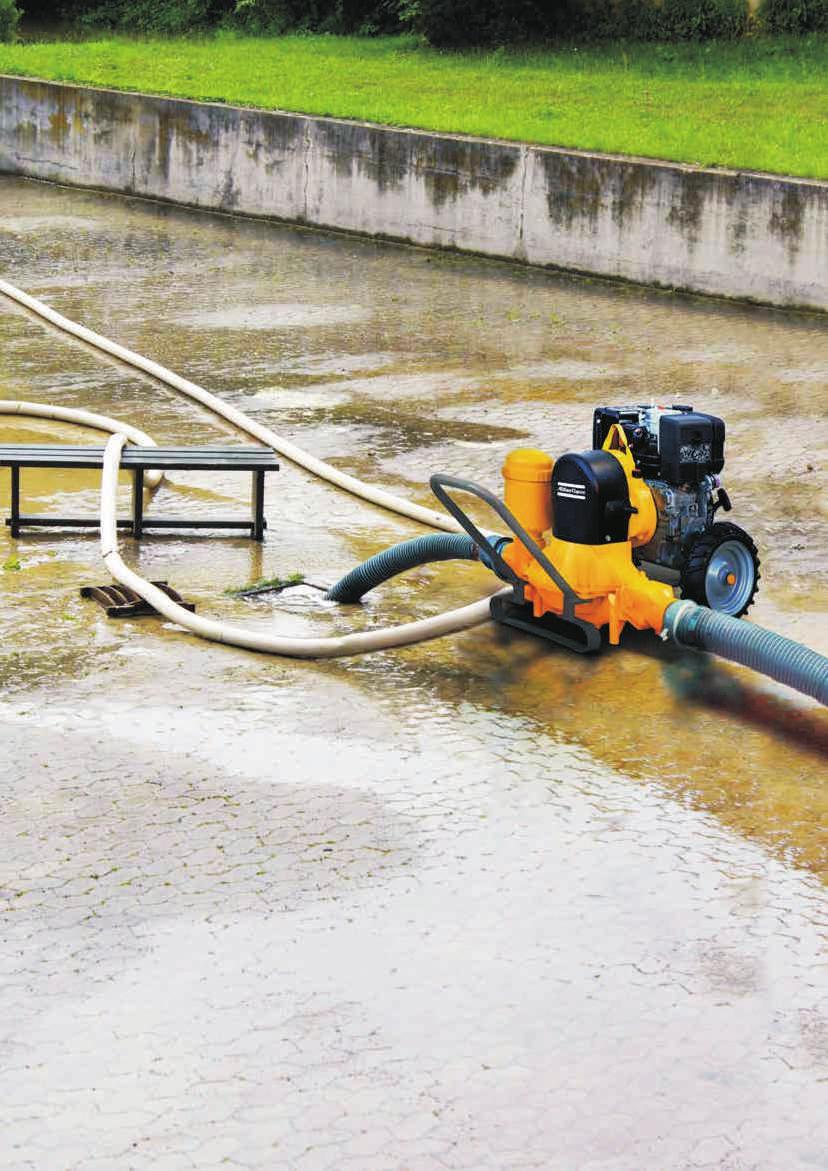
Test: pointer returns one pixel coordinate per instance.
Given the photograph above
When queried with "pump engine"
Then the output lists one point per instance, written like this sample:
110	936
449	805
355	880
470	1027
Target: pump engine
679	453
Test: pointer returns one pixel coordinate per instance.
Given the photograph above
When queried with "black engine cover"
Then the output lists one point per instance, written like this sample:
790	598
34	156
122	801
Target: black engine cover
676	444
691	446
590	498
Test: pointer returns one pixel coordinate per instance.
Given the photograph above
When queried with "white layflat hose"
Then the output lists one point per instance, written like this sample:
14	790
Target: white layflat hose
309	648
85	419
297	648
297	455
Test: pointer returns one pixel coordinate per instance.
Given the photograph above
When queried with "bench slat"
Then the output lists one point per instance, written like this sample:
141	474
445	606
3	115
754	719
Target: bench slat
231	449
94	459
258	460
245	459
206	452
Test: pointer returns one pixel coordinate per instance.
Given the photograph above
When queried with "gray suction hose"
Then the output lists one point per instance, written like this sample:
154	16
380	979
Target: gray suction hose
743	642
398	559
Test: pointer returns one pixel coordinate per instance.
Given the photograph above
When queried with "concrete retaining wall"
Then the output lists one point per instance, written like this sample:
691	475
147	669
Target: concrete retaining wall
743	235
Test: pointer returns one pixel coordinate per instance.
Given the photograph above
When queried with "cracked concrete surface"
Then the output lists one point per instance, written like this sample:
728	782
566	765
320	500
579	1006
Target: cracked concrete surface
476	906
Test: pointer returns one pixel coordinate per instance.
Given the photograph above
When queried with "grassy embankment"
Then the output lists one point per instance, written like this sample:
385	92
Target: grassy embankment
755	104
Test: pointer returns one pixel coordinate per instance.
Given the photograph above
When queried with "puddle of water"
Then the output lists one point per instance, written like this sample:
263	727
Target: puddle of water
24	225
324	365
304	399
817	374
613	868
571	370
392	388
718	354
274	317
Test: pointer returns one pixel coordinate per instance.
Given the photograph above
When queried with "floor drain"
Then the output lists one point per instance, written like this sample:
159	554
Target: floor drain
120	601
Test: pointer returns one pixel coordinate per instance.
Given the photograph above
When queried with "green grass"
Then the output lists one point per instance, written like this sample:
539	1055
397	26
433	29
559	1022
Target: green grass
754	104
265	585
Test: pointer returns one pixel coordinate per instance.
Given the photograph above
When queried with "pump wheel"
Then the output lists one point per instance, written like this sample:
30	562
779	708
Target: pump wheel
721	570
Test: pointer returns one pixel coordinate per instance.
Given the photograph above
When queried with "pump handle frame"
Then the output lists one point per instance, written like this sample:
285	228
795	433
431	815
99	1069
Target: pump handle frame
502	609
439	484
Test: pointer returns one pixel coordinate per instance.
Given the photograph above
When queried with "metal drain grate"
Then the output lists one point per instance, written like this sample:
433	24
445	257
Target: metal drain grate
121	602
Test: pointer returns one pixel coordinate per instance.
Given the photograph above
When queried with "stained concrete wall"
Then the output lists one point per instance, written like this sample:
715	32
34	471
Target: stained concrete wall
735	234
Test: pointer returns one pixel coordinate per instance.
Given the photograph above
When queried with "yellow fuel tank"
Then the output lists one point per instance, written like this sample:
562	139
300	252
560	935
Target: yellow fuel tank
527	492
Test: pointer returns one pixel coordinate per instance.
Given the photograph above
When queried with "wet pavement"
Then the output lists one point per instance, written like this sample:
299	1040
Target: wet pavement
474	905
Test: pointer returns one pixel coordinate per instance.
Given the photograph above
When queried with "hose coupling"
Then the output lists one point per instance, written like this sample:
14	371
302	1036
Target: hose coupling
498	544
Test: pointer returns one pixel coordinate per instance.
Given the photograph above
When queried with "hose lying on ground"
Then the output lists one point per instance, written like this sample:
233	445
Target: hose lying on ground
413	632
89	419
297	455
690	625
743	642
274	644
391	562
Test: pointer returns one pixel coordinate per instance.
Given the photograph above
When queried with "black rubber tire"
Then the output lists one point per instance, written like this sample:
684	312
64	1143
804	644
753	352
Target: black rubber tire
699	552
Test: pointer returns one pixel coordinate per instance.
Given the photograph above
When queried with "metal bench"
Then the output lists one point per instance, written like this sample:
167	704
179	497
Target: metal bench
138	460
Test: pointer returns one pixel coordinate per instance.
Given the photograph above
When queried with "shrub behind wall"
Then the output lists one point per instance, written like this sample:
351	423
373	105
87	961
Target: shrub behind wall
334	16
446	23
143	16
9	20
452	23
255	16
794	16
490	22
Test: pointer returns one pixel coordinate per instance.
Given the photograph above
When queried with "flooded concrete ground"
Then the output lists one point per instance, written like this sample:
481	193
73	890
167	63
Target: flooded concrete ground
476	904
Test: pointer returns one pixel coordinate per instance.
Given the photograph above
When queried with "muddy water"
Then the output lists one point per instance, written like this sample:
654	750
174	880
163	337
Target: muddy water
475	904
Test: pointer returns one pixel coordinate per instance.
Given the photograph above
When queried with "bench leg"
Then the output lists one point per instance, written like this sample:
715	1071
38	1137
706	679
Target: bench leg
15	502
138	503
258	526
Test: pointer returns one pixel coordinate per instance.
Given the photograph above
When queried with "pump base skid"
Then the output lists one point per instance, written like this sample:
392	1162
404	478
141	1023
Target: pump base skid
574	634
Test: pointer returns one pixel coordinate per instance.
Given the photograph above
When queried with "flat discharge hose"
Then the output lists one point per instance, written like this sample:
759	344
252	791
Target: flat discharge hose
83	418
743	642
298	648
325	471
309	648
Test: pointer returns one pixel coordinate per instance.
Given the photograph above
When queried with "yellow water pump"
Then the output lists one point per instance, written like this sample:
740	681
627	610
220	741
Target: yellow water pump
583	524
550	502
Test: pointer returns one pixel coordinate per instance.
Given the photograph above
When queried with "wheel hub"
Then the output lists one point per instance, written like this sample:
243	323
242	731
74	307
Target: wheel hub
730	578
